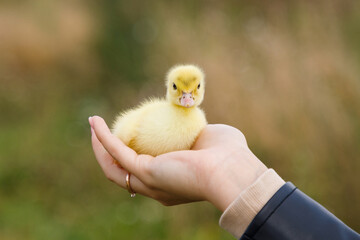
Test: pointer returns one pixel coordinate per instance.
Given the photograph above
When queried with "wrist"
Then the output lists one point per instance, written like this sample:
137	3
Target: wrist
233	180
250	201
233	188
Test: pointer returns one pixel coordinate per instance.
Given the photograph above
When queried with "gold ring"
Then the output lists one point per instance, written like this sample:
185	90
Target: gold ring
128	186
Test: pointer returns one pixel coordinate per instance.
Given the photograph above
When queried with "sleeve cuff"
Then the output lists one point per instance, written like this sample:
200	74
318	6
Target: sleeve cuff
239	214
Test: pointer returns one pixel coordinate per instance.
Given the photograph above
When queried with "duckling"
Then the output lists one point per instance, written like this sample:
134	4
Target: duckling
159	126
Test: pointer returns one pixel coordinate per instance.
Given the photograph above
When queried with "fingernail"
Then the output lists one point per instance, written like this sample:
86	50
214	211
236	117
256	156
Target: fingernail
90	122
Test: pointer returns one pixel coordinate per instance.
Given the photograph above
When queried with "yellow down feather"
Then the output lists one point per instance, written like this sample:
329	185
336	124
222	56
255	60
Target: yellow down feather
159	126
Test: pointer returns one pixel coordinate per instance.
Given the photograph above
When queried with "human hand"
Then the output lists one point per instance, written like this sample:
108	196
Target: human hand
218	167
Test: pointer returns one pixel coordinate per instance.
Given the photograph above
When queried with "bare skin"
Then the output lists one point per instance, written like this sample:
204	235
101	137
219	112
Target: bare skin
218	167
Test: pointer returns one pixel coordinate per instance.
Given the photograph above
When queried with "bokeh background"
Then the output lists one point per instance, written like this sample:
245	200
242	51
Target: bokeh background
287	73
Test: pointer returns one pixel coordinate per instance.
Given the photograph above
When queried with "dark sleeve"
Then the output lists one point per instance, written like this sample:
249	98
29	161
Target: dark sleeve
291	214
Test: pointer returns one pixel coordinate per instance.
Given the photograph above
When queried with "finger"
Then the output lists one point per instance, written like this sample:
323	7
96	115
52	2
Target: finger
136	185
102	156
113	172
115	147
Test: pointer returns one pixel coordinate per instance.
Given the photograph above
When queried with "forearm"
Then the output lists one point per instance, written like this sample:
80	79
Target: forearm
286	214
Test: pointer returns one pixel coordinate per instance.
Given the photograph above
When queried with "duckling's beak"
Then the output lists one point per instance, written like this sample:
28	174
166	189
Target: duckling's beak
187	100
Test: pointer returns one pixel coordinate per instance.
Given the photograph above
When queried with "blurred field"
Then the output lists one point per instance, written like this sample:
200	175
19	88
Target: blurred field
285	73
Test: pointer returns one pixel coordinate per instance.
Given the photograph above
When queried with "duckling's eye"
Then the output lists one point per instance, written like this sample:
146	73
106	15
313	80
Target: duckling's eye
174	86
199	86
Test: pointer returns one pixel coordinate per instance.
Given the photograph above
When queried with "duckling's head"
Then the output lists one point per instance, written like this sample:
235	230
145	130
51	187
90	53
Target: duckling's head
185	85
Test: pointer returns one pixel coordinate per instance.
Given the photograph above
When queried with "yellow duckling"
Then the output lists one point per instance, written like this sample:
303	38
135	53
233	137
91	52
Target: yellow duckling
159	126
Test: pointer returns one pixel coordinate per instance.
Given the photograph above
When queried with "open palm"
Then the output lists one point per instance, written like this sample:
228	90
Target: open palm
219	166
